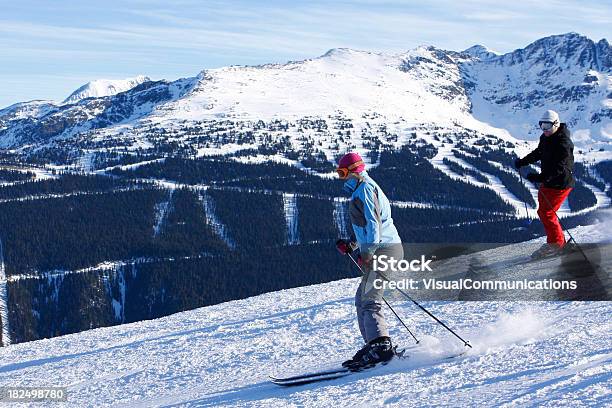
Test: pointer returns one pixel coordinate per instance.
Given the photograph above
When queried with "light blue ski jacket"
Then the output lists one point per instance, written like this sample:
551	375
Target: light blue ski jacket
370	214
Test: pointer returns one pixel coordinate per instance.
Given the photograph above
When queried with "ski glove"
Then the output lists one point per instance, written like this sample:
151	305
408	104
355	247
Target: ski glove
345	247
535	177
362	262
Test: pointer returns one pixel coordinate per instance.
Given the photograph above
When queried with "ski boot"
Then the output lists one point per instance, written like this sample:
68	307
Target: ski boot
546	250
569	248
379	350
357	357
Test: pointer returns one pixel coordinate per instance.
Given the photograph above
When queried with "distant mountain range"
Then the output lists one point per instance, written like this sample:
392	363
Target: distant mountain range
475	89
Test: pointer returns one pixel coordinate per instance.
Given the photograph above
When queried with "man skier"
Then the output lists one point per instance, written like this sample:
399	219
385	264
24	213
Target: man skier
555	151
374	234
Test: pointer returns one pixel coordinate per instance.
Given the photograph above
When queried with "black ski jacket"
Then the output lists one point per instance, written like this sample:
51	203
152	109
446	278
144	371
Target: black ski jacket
556	153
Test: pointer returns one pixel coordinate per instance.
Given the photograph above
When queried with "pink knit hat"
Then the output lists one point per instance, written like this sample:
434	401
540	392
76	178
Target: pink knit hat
353	162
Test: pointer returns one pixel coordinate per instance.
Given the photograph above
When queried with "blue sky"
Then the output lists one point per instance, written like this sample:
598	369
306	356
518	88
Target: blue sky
49	48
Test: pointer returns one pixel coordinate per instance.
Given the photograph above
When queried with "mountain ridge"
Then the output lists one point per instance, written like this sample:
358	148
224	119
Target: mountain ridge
493	94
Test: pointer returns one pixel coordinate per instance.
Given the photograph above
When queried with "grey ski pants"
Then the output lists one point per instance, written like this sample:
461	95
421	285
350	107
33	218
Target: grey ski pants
369	309
369	300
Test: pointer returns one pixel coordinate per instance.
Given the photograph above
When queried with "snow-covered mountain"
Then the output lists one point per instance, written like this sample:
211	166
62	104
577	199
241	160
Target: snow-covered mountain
104	87
481	52
551	354
501	95
567	73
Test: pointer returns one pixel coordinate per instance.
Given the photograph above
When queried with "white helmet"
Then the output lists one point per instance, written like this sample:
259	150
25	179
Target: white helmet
550	116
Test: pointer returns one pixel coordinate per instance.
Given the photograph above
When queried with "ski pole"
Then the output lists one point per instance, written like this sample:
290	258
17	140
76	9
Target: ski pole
401	321
524	201
387	303
466	343
563	227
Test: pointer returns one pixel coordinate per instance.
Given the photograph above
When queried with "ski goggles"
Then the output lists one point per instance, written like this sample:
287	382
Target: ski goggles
343	172
546	125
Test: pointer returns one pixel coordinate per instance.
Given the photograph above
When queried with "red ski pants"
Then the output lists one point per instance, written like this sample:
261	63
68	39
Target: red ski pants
549	201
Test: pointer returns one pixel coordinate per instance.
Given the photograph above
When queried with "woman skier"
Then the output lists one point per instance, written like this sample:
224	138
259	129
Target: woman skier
374	234
556	154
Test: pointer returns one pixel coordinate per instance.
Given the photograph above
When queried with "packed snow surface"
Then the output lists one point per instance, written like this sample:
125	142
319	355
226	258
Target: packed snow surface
525	354
552	353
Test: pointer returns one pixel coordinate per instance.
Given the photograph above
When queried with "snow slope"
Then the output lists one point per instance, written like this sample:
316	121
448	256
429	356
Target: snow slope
525	354
344	80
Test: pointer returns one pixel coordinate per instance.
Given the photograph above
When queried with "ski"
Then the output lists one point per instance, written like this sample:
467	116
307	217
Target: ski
333	374
455	355
311	378
320	376
326	374
333	371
